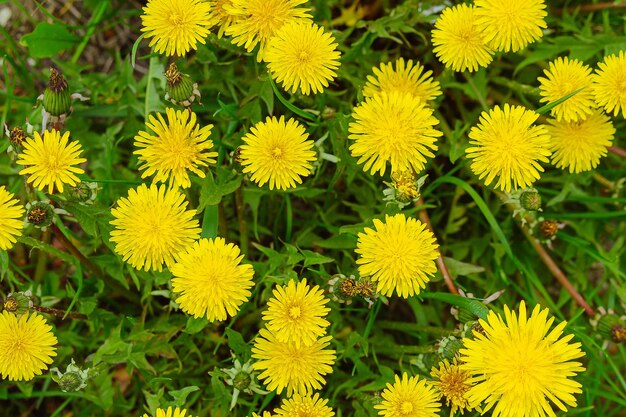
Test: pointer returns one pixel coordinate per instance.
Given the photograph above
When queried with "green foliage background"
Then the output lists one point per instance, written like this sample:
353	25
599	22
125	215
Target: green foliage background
149	354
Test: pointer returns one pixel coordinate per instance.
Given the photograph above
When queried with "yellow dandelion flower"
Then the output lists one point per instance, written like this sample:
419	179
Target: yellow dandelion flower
307	406
174	147
563	77
302	56
259	20
49	161
176	26
609	84
510	25
453	383
220	16
176	412
507	145
404	78
211	279
395	128
458	42
518	368
296	313
11	224
152	226
298	369
578	146
399	255
27	346
265	414
409	397
277	153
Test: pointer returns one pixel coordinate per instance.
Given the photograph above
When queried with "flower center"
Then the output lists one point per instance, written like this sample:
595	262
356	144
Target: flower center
277	153
177	20
294	312
303	57
406	407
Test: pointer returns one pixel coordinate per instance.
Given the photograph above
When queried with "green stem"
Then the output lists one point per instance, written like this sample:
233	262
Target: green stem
409	327
91	27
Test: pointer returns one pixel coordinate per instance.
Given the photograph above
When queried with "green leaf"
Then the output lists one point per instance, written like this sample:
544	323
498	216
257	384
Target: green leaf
314	258
474	306
462	268
180	395
214	189
195	325
48	39
545	109
236	343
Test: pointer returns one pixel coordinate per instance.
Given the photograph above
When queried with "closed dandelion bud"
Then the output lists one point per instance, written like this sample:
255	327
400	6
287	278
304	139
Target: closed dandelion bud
17	136
56	98
365	287
348	288
242	381
18	303
179	87
83	193
73	379
530	200
549	228
449	347
612	327
39	214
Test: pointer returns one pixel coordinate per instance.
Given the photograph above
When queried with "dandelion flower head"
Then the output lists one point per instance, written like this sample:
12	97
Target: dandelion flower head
27	346
287	366
453	383
304	406
409	397
398	254
578	146
563	77
302	56
11	224
176	412
151	226
211	279
176	26
277	152
457	40
174	147
49	161
220	16
609	84
296	313
507	145
519	366
404	78
393	127
510	25
259	20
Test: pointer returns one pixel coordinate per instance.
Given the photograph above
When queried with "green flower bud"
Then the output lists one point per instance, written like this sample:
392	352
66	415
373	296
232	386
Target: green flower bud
56	97
73	379
612	327
18	303
40	214
180	89
530	200
242	381
449	346
84	193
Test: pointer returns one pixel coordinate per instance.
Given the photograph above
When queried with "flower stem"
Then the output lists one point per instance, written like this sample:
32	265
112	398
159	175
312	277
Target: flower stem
60	313
616	149
423	215
241	217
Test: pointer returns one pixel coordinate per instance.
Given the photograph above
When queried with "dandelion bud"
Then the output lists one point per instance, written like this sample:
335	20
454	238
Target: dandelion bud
365	287
39	214
549	228
530	200
242	381
612	327
449	347
74	378
56	98
83	193
17	136
180	89
405	184
18	303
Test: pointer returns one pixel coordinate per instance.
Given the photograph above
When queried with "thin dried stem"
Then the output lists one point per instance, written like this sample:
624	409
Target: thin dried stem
60	313
423	215
617	151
